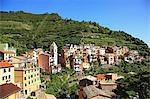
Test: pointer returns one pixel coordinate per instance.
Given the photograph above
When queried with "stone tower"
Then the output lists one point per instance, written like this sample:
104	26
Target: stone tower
53	51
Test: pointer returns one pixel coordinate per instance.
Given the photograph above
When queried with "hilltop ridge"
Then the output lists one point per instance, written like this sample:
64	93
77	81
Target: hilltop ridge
26	30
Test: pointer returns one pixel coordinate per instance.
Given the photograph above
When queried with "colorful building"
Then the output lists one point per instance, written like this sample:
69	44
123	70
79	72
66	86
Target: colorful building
48	60
45	61
80	57
27	73
6	72
7	55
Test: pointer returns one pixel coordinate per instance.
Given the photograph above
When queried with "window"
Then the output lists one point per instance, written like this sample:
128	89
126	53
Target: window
31	76
9	56
4	70
25	84
21	91
29	82
24	78
33	94
3	78
9	76
28	77
9	69
28	71
32	81
25	72
26	92
6	77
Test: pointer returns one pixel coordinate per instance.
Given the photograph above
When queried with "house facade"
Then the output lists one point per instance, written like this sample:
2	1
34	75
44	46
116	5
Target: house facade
27	74
6	52
45	61
6	72
48	60
7	55
80	57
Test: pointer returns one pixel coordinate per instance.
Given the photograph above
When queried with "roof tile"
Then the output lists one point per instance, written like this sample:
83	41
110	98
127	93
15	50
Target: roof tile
8	89
5	64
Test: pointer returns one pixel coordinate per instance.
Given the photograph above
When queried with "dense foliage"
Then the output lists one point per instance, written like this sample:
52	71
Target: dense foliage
26	30
62	84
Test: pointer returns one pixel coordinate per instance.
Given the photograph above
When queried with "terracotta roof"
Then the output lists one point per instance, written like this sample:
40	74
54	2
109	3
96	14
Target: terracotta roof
8	89
100	76
8	52
5	64
91	92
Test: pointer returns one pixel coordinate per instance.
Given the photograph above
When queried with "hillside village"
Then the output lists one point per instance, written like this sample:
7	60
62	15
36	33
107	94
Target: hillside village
22	76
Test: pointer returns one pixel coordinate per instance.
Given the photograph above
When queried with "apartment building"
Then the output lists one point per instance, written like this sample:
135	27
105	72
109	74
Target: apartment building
6	53
45	61
77	61
6	72
27	73
48	60
8	88
82	57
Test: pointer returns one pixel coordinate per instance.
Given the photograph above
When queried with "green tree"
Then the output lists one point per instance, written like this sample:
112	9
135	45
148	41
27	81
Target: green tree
135	83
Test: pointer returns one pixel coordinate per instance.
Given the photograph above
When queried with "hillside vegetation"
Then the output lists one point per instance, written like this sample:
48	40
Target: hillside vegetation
26	30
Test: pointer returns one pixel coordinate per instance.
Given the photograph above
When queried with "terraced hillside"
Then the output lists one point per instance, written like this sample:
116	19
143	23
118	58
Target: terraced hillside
26	30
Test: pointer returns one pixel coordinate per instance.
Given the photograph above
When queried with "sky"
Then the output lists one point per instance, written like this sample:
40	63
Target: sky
131	16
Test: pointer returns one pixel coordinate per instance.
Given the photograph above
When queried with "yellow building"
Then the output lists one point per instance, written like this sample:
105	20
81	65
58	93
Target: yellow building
6	72
9	91
27	73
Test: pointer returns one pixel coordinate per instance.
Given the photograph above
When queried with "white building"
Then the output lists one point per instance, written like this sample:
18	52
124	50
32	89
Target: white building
102	51
6	72
6	53
53	51
77	62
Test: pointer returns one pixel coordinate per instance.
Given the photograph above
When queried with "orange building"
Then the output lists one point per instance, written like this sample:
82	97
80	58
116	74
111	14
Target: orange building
27	74
100	76
44	61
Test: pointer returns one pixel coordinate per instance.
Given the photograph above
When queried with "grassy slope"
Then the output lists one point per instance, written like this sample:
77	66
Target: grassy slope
23	30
